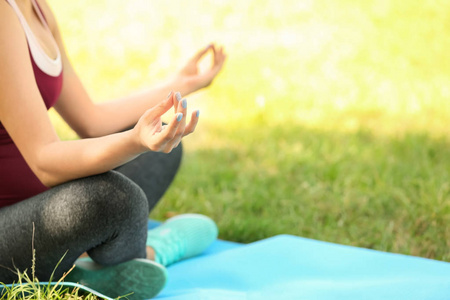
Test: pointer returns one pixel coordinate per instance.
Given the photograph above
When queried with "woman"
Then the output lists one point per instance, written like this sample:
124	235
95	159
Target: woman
94	194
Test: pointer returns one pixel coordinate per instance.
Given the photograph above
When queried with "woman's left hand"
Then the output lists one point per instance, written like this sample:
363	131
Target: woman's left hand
193	78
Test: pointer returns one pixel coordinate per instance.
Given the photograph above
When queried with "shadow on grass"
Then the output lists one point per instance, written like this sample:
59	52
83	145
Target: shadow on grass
385	193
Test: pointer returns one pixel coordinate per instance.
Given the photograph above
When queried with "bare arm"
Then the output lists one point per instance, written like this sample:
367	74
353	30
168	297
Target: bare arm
23	114
90	119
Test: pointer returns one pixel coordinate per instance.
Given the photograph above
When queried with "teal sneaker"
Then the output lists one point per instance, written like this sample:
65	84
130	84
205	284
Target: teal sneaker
181	237
136	279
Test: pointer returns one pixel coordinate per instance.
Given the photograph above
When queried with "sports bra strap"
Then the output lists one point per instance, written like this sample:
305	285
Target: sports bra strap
52	67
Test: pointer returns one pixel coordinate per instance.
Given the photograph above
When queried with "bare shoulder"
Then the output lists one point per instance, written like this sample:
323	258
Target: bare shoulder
11	31
4	8
7	16
15	65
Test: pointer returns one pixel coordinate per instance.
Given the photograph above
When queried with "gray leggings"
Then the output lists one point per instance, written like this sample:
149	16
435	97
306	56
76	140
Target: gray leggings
105	215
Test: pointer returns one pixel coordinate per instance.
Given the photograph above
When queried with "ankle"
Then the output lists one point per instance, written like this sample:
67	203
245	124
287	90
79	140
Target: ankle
150	253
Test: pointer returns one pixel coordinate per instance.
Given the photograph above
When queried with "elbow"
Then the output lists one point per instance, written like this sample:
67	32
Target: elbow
43	171
87	132
45	178
87	128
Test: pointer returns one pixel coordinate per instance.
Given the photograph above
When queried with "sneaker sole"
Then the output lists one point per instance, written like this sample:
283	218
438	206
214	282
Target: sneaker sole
135	279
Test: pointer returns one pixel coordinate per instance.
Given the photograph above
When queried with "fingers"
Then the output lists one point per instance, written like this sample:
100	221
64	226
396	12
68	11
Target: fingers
205	78
182	108
219	58
193	123
202	52
171	130
160	109
190	128
150	133
176	101
176	129
218	54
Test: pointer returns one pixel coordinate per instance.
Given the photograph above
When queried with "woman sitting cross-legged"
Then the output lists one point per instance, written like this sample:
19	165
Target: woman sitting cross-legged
91	195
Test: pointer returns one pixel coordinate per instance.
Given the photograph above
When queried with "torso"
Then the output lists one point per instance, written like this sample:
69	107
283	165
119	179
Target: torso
17	181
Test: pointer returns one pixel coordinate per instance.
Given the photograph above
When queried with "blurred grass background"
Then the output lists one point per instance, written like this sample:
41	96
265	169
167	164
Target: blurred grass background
329	121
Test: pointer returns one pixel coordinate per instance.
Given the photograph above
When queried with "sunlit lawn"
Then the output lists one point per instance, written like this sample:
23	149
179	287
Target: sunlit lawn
330	120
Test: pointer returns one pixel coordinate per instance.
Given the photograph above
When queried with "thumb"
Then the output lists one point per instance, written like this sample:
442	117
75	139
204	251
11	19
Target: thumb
160	109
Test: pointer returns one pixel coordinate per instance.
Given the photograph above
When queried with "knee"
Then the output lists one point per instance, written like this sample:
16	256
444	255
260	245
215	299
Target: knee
111	194
104	199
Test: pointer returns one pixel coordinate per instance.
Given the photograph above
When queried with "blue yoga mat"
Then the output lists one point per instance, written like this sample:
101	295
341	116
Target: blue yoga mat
290	267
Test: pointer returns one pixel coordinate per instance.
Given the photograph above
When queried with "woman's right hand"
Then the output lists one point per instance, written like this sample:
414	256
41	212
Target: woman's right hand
154	136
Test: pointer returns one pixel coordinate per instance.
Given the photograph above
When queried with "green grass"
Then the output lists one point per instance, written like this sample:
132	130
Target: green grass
28	287
386	193
329	121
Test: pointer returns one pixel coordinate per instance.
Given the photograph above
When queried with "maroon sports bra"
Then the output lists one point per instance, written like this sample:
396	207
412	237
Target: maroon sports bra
17	181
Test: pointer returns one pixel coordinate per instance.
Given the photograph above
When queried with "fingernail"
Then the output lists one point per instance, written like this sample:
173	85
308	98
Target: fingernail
179	117
184	103
197	113
178	95
170	94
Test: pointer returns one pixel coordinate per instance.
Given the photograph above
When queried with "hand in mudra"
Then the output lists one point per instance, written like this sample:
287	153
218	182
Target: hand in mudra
196	79
154	136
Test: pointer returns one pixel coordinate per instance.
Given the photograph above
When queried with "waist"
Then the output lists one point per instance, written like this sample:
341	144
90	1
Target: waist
17	180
